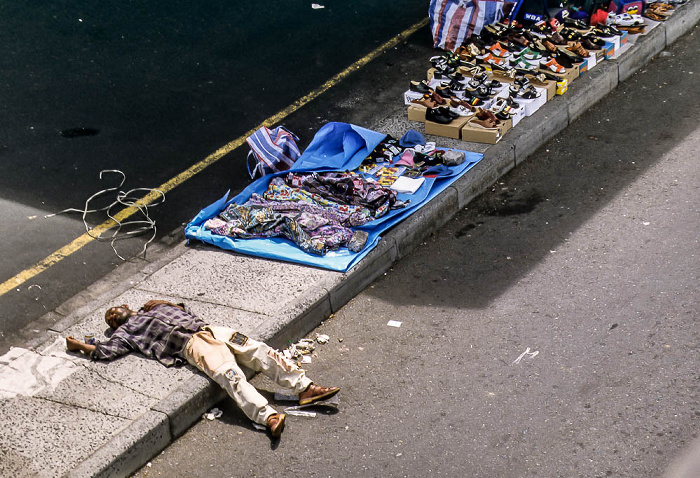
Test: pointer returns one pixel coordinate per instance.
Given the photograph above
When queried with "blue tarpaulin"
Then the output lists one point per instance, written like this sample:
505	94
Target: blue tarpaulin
335	147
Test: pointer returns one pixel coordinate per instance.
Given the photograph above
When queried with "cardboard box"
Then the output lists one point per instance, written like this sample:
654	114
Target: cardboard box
608	50
409	96
562	87
569	75
451	130
549	86
416	113
477	134
532	105
623	38
590	62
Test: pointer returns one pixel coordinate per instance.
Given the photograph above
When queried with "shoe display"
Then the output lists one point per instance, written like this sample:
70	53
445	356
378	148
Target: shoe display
509	70
420	87
552	65
578	49
437	115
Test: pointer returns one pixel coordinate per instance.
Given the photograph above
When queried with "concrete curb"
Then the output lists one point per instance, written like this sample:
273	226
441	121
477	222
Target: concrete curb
170	418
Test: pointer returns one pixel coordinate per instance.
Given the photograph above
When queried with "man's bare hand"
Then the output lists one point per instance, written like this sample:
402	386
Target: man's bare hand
75	345
72	344
155	302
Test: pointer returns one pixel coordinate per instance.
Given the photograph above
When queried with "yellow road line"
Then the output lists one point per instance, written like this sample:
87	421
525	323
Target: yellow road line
86	238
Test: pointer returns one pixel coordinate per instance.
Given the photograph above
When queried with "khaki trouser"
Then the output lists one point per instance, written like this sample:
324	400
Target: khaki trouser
212	352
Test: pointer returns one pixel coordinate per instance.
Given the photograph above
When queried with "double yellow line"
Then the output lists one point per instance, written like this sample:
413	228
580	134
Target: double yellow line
86	238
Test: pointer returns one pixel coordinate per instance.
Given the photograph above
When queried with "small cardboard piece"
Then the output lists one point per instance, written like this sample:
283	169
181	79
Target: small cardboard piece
562	87
477	134
416	113
451	130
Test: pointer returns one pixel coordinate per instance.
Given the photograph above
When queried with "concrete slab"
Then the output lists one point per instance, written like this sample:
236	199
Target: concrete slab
233	280
88	390
497	161
535	130
25	372
187	404
378	261
132	445
41	438
639	55
427	219
682	22
584	94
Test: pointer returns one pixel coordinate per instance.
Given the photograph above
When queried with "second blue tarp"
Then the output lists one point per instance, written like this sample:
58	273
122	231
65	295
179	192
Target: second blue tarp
335	147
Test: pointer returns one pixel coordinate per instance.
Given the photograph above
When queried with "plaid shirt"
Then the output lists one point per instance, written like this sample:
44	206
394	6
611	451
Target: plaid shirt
160	333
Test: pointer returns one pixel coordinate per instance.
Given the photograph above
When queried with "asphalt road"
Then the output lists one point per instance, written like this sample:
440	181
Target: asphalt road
549	330
149	90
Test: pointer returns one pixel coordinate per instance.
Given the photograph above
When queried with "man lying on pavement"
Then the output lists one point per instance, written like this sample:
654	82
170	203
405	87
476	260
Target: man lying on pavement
172	334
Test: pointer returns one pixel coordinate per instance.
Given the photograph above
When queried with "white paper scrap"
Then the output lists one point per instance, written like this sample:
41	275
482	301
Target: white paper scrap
316	6
527	352
394	323
407	185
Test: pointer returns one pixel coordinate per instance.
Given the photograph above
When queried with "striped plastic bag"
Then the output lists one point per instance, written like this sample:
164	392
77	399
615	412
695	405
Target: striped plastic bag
272	150
453	21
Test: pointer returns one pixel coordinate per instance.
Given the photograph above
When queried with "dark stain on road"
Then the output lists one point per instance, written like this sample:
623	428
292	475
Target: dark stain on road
511	205
79	132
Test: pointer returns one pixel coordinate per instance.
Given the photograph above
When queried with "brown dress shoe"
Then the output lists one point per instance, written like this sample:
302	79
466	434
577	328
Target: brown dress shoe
275	423
314	394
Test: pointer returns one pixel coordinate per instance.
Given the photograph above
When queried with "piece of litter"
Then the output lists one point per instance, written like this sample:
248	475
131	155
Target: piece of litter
394	323
213	414
646	223
322	338
527	352
306	359
296	411
279	396
316	6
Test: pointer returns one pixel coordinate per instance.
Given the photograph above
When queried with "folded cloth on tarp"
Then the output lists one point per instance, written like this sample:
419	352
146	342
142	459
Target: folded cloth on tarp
335	147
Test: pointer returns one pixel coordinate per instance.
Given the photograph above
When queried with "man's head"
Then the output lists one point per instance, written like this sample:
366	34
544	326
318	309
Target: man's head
116	316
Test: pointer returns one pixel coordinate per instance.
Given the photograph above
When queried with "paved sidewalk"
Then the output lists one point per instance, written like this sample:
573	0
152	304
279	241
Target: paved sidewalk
67	416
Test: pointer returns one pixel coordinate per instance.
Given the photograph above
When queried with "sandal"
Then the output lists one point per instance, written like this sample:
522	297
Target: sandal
530	54
552	65
523	64
490	58
654	16
529	93
569	34
578	49
497	50
426	101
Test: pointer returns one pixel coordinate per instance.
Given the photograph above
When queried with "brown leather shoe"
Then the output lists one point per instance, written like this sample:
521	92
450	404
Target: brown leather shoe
275	423
314	393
